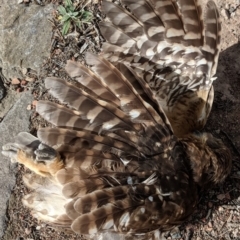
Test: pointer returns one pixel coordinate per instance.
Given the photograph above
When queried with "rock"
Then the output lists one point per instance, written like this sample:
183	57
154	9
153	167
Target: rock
8	102
25	37
225	14
2	90
17	120
15	81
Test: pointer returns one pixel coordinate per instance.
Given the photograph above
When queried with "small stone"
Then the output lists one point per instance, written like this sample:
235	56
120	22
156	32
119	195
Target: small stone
15	81
76	55
29	79
19	90
231	9
34	103
58	51
27	231
38	227
220	209
29	107
210	225
208	229
24	71
23	82
225	14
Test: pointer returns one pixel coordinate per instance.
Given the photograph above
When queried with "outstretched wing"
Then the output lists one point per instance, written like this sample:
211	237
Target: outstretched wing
168	44
124	171
107	105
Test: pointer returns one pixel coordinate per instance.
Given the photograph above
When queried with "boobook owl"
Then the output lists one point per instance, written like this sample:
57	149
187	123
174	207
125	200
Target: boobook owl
123	155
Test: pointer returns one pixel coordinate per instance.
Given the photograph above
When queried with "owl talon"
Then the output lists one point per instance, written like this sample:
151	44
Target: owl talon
10	150
45	153
36	156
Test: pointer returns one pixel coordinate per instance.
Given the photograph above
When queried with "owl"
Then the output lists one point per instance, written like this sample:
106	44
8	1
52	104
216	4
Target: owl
116	161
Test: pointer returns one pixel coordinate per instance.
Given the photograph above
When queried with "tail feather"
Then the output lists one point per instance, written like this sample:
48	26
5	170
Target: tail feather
102	218
80	188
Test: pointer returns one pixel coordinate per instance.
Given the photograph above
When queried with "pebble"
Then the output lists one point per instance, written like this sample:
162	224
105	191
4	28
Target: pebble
76	55
24	71
34	103
15	81
38	227
220	209
27	231
29	79
23	82
225	13
29	107
19	90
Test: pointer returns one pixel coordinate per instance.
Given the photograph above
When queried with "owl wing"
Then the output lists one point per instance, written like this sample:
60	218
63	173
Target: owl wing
168	44
112	162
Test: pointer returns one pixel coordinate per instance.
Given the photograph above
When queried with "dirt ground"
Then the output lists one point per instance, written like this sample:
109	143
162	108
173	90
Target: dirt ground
218	214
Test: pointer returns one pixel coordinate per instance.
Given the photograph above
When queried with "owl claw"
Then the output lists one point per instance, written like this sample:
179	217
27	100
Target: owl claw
45	153
36	156
10	150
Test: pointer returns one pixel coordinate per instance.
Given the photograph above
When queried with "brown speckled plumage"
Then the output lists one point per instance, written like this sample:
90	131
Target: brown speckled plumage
173	48
114	162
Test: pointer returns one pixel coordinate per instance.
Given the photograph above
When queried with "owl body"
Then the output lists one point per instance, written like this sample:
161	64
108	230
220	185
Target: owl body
123	156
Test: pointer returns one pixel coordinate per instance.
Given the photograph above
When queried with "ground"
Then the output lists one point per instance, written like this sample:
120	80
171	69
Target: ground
218	214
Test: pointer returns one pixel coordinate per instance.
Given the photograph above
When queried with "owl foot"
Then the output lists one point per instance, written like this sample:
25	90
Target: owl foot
36	156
